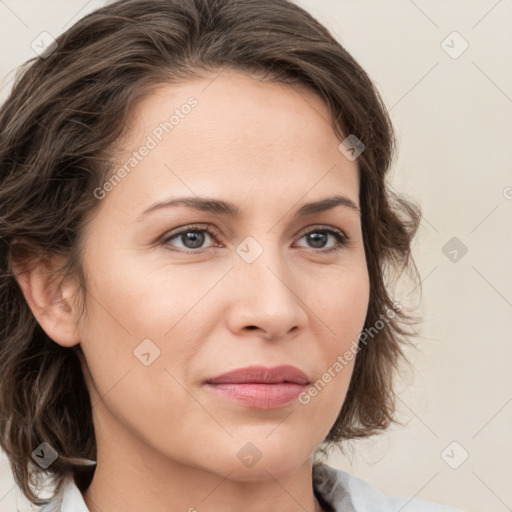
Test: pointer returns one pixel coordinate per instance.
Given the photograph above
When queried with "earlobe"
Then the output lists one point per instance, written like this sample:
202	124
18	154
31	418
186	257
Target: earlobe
49	302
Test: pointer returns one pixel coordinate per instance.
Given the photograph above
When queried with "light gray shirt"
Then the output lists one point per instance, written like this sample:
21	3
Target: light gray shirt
344	491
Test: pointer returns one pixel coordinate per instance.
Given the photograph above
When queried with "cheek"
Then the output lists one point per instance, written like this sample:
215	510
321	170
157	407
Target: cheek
137	315
343	308
129	362
343	302
138	300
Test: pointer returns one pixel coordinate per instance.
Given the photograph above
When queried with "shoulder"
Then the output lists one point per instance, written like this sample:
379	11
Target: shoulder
351	494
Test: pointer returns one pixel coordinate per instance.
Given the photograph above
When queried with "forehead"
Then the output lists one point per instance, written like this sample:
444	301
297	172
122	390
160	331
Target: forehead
244	138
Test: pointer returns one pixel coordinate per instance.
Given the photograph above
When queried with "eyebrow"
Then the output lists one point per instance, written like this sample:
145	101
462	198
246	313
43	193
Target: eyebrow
220	207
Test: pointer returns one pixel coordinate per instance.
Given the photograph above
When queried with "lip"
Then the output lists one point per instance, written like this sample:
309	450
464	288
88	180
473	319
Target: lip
260	387
262	375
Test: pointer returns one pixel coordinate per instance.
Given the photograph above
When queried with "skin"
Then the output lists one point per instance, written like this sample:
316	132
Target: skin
164	441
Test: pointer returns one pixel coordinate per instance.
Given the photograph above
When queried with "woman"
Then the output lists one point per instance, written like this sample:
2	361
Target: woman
195	240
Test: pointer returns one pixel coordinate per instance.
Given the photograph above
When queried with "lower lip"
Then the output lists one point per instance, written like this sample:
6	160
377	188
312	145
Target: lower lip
260	396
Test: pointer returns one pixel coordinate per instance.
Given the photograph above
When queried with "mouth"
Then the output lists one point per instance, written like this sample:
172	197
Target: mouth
260	387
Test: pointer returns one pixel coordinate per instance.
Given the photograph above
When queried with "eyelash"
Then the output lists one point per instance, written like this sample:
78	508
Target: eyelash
341	239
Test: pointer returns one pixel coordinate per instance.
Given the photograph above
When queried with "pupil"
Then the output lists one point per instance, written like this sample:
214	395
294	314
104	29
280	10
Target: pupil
317	237
195	237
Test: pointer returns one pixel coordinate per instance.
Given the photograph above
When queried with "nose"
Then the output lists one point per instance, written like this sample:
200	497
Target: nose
265	297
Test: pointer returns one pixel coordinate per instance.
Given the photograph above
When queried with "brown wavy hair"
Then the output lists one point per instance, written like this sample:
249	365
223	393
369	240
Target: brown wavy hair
64	114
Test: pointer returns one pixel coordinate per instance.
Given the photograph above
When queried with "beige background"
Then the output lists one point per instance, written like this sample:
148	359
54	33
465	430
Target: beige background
453	120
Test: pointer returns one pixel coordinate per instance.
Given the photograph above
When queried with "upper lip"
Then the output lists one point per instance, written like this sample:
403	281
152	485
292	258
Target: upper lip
262	375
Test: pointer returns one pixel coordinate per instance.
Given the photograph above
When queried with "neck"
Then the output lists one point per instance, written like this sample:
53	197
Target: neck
141	478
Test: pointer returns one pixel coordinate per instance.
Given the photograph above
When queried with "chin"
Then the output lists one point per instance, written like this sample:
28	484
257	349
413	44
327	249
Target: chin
252	464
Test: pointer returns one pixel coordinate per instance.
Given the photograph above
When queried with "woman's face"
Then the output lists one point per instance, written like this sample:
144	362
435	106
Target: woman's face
167	311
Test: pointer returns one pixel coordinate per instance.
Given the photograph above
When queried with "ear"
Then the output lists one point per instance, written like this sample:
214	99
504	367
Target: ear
51	303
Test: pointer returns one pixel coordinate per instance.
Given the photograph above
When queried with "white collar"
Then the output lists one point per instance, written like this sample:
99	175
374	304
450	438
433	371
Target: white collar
344	491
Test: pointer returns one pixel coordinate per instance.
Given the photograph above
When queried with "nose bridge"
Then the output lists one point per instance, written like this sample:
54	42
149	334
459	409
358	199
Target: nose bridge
263	261
266	296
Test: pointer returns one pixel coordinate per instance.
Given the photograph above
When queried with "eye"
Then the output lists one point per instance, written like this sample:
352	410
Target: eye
193	237
319	235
